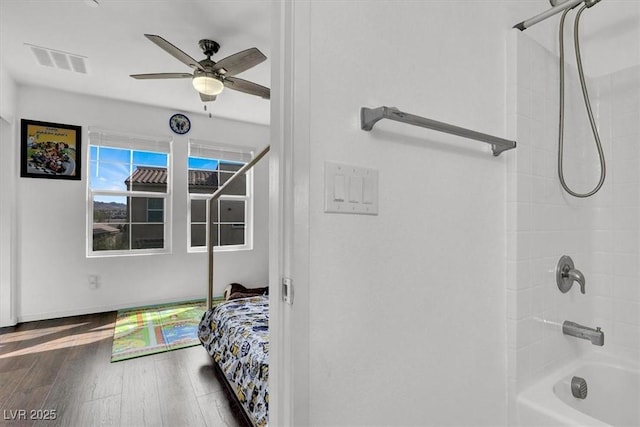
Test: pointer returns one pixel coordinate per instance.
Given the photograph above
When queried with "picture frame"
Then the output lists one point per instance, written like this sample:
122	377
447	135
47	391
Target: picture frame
50	150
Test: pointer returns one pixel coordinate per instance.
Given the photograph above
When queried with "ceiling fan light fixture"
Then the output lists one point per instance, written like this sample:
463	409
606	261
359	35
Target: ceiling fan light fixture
207	84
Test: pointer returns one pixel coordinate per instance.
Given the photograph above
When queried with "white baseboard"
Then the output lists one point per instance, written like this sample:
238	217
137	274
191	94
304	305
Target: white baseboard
13	321
101	309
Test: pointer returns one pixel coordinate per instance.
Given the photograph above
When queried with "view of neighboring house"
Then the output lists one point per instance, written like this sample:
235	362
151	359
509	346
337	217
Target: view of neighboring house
143	216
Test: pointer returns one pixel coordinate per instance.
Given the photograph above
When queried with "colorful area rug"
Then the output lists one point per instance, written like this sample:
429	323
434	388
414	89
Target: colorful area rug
149	330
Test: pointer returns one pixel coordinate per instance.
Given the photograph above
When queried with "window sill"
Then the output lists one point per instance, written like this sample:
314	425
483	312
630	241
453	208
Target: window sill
112	254
201	250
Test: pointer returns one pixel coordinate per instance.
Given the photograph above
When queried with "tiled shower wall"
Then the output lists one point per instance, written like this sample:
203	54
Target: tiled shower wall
615	301
600	233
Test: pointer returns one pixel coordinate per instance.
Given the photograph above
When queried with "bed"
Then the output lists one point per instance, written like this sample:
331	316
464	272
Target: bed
236	334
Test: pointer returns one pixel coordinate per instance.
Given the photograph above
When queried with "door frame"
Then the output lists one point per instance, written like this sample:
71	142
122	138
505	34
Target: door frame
289	215
8	227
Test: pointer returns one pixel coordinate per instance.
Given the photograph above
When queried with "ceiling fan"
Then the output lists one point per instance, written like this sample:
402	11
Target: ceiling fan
209	77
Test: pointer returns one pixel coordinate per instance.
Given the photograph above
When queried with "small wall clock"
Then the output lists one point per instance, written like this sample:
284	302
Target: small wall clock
180	123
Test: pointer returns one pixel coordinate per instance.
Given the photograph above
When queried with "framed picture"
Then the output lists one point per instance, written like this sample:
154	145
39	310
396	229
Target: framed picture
50	150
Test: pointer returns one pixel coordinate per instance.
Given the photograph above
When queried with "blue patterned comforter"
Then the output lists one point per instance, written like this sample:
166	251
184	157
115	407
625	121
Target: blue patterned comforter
236	334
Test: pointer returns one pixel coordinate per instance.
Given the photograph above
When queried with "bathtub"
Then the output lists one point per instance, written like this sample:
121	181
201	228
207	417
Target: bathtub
613	397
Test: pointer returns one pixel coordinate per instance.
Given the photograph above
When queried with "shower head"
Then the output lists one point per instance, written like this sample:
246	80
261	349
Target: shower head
588	3
558	6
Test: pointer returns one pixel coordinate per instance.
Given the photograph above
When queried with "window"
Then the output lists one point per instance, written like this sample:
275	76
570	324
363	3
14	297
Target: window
129	185
211	166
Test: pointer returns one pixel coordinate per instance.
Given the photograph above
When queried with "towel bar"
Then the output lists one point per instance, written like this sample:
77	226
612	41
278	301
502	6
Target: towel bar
370	116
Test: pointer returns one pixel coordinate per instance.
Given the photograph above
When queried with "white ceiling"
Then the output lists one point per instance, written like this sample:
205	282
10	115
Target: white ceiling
111	37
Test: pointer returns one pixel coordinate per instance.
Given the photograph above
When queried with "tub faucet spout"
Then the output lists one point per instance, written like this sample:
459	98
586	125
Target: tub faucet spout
596	336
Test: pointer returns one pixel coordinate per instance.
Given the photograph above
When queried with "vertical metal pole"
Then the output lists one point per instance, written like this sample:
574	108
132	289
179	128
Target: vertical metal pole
210	246
212	201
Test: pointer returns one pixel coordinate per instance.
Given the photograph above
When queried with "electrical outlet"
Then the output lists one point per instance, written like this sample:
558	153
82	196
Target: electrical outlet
94	281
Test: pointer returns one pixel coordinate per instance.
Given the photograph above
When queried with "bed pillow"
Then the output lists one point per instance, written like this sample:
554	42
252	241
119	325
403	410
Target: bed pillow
236	290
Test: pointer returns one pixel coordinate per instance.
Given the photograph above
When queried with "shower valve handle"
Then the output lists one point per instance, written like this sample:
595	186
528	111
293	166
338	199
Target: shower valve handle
566	274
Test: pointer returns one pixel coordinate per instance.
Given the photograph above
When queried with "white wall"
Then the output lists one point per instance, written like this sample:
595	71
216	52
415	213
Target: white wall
406	308
53	268
8	98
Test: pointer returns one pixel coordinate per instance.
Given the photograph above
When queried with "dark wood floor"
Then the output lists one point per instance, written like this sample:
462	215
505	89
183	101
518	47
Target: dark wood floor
61	369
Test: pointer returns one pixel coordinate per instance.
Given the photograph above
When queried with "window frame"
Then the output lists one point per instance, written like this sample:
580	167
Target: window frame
248	198
166	196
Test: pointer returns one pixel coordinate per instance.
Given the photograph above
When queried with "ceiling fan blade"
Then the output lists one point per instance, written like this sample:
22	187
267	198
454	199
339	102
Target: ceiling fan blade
162	76
207	98
174	51
246	86
239	62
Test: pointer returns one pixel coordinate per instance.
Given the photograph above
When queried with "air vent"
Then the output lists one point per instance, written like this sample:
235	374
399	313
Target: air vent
58	59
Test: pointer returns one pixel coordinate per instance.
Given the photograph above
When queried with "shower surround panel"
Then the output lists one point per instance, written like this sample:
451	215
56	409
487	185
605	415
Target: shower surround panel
600	233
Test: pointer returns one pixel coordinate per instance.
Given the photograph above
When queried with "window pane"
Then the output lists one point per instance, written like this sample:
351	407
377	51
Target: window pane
230	166
231	234
232	211
147	236
110	237
108	209
147	158
201	181
203	175
203	164
141	212
155	203
198	236
147	178
155	216
112	155
238	187
109	168
215	214
215	234
198	211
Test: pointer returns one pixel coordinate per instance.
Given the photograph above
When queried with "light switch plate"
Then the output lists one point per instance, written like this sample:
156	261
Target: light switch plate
350	189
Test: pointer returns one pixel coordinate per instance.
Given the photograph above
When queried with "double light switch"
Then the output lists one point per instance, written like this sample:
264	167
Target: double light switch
350	189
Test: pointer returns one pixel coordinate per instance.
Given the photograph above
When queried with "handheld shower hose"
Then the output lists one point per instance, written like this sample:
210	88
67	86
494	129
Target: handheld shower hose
603	170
